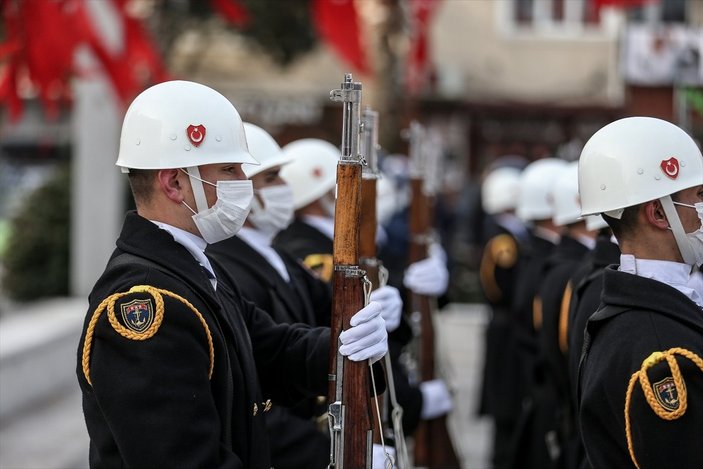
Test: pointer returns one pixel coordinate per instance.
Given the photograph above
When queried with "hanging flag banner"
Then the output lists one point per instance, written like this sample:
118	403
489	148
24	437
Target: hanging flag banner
662	55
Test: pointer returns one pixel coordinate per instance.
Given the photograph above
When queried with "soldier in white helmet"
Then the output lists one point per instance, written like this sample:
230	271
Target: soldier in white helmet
582	298
498	275
312	176
641	374
175	367
286	289
548	426
535	209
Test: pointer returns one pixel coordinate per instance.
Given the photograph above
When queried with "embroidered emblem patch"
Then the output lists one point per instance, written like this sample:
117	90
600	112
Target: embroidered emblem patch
666	393
138	315
671	167
196	134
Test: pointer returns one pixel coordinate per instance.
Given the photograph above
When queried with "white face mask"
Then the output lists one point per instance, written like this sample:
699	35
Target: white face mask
224	219
695	239
277	211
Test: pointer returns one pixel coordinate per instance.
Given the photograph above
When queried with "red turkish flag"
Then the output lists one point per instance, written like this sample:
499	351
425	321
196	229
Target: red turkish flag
621	3
419	67
41	39
338	25
137	65
232	10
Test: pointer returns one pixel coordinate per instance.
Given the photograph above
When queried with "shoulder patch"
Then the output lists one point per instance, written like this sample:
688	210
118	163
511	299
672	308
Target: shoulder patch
322	264
667	394
142	318
504	251
667	398
138	314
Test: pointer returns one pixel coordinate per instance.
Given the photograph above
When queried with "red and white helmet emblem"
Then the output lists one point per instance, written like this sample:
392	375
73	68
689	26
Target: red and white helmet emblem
671	167
196	134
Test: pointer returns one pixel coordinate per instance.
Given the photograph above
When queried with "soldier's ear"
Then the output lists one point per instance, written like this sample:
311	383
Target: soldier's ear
170	183
654	212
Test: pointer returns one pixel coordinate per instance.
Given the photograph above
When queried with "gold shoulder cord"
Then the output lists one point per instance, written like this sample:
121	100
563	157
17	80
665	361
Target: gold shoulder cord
487	277
156	293
564	318
537	313
658	409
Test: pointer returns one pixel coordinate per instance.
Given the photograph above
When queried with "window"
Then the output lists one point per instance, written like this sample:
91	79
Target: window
553	13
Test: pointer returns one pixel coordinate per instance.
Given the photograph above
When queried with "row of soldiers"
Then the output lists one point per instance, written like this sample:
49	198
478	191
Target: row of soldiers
207	341
591	269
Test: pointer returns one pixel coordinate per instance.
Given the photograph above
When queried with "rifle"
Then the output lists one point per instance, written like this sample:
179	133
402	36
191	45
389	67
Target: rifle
350	419
433	444
378	276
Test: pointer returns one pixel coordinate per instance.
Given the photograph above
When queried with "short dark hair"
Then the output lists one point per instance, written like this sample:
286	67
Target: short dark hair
624	226
142	183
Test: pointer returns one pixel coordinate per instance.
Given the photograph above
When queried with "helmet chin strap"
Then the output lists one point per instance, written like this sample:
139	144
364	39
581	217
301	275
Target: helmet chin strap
682	242
198	190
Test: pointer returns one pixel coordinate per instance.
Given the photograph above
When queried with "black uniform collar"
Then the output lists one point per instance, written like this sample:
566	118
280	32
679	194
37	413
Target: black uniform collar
569	249
143	238
606	252
624	290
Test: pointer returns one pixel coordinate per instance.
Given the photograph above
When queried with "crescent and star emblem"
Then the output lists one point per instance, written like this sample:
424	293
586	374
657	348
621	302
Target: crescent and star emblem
670	167
196	134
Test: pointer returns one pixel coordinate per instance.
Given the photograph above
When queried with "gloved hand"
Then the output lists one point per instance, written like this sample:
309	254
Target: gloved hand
380	460
367	338
389	299
429	276
436	400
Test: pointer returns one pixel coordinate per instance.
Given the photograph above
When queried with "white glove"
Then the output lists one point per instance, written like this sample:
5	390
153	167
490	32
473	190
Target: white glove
436	400
429	276
389	299
367	338
380	460
437	251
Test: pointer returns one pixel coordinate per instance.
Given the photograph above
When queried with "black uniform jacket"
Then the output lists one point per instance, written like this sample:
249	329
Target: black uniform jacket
641	316
174	400
545	415
534	259
587	286
521	349
308	244
562	264
315	249
498	274
295	438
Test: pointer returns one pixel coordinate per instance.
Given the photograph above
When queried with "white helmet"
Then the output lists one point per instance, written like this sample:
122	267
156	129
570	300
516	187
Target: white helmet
635	160
264	148
595	222
500	190
312	171
565	196
535	183
180	124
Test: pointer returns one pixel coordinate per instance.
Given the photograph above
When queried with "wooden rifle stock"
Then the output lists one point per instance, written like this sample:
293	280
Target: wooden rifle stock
433	445
349	407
